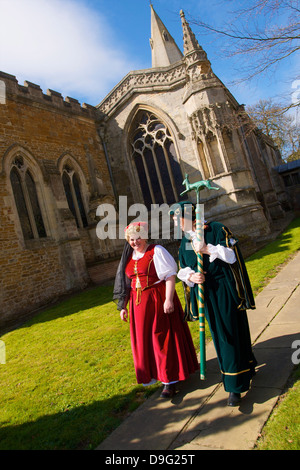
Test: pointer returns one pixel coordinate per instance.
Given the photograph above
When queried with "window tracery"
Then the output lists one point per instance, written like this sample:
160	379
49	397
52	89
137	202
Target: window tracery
72	188
26	200
156	161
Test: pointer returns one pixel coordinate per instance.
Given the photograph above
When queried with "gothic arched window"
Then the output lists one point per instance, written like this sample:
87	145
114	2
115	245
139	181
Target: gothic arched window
71	184
26	199
157	165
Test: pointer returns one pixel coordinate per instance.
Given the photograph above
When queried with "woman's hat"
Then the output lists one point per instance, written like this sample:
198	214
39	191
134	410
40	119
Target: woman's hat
137	229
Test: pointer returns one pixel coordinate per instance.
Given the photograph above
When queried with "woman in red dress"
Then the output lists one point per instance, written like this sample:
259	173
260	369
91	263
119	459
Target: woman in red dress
161	342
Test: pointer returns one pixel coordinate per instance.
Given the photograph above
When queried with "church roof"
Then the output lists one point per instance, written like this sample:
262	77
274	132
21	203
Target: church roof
289	166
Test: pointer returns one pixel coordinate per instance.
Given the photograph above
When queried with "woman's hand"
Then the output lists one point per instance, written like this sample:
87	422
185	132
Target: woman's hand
168	306
124	314
197	278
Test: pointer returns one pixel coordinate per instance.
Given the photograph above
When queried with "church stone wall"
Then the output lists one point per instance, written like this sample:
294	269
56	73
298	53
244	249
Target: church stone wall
47	131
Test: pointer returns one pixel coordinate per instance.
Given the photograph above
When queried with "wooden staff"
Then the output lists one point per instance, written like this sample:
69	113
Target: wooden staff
200	295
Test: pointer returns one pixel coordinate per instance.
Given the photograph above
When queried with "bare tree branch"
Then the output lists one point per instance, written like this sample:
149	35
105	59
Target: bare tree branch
268	30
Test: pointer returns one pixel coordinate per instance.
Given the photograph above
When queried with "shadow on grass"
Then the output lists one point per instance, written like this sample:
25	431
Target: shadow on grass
85	300
81	427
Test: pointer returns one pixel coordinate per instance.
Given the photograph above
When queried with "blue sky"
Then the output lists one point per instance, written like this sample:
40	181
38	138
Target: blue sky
83	48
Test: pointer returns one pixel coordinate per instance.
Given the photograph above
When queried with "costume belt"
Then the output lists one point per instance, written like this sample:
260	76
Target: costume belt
139	290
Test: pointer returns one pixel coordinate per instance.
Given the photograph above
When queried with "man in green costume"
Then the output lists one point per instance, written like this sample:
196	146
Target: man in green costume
227	295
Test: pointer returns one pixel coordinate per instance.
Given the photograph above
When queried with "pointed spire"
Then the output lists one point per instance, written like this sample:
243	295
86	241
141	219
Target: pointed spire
164	49
190	43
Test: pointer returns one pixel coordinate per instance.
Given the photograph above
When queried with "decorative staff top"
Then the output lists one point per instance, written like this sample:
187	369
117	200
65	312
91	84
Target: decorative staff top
198	186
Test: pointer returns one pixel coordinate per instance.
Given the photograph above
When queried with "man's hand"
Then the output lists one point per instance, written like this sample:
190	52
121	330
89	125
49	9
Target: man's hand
201	247
197	278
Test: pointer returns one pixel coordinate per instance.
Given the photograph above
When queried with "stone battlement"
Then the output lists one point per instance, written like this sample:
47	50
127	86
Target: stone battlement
53	98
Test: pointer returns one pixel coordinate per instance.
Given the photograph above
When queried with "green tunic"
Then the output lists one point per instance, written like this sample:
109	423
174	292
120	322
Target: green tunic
227	294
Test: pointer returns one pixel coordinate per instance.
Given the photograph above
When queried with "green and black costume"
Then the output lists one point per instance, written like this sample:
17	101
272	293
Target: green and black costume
227	295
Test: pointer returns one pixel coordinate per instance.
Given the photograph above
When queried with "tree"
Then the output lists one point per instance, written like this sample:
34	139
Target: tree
270	118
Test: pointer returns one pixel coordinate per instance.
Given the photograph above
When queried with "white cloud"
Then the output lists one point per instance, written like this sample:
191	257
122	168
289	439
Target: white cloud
62	45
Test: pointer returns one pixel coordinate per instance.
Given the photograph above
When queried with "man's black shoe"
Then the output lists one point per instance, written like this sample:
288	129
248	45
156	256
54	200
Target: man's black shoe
234	399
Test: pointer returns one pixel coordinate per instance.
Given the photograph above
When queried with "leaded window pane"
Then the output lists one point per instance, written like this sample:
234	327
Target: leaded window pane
20	204
175	167
35	205
67	186
79	200
164	172
149	159
143	180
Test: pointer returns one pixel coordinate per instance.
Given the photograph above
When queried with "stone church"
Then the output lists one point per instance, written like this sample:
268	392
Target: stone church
59	160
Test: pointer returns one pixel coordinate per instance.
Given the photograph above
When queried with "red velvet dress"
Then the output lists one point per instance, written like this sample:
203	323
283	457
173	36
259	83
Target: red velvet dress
161	343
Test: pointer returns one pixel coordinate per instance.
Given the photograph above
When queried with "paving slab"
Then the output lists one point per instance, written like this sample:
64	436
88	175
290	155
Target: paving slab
155	424
227	428
197	418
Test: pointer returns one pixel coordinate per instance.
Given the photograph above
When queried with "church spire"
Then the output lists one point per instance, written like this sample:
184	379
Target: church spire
164	49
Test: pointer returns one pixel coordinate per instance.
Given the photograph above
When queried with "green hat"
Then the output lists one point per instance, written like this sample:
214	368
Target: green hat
183	209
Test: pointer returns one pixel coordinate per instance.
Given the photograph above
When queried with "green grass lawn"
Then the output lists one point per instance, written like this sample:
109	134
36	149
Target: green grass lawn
69	379
265	263
282	431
